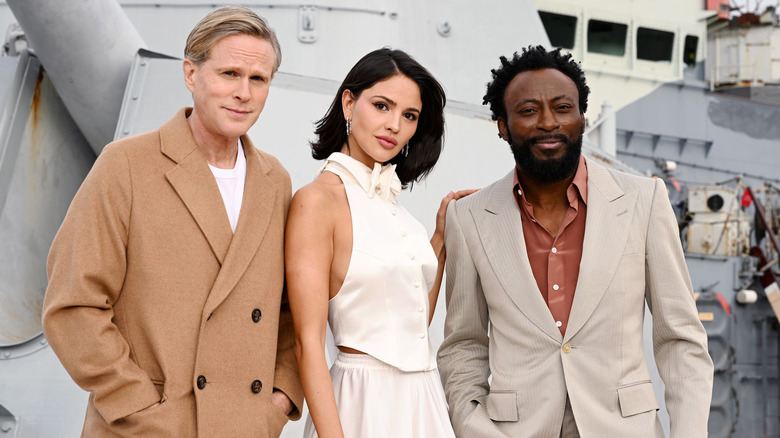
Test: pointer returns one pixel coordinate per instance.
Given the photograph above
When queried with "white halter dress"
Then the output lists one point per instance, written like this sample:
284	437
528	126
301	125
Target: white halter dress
393	390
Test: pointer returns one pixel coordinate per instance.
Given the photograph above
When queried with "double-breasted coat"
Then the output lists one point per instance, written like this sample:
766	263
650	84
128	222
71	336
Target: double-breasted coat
153	298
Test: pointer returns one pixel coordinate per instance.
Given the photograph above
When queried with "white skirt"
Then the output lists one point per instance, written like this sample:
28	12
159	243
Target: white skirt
377	400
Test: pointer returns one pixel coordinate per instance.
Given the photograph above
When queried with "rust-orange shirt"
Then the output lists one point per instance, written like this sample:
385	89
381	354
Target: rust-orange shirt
555	262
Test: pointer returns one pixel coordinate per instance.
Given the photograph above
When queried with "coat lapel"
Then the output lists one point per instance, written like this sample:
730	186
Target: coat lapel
500	228
610	212
194	183
261	199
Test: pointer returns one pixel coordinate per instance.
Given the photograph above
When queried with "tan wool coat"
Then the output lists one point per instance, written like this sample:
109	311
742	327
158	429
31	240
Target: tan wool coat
152	297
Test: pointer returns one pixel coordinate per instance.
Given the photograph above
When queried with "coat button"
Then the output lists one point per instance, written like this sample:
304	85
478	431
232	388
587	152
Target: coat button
201	382
566	347
256	315
257	386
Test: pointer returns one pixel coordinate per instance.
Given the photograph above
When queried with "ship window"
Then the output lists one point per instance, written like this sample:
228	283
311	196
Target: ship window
689	51
560	29
606	37
654	45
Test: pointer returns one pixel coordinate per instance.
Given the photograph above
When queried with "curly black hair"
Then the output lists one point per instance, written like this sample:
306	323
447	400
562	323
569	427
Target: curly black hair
533	58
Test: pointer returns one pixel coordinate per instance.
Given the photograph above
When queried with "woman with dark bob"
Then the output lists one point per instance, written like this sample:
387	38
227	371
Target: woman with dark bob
356	259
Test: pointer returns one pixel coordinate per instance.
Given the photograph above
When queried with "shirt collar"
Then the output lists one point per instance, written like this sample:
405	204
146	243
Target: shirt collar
381	181
579	183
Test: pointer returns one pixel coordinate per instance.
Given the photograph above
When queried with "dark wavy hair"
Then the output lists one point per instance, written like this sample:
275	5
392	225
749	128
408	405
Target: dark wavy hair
533	58
425	145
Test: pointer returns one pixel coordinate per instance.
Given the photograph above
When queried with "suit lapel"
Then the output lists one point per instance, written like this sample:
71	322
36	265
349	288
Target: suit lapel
194	183
500	228
610	212
261	199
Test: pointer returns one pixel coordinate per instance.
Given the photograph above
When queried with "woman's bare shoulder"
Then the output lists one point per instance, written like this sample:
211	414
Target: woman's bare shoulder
325	192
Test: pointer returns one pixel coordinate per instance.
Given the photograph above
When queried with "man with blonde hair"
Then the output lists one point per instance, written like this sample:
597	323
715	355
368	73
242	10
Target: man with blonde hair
165	297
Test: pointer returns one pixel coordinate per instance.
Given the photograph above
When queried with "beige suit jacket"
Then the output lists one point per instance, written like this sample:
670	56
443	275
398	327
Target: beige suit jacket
499	326
149	289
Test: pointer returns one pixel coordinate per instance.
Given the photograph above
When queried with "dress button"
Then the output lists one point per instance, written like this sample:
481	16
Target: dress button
554	250
201	382
403	233
421	309
411	256
393	212
566	347
558	323
422	335
556	287
257	386
256	315
416	284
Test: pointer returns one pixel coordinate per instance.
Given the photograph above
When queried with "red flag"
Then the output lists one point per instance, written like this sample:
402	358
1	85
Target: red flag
746	198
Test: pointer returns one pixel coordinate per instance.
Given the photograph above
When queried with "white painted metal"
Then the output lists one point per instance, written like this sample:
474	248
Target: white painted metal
94	33
621	80
603	133
748	56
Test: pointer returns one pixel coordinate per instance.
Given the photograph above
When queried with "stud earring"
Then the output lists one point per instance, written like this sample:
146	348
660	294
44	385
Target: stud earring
349	127
405	149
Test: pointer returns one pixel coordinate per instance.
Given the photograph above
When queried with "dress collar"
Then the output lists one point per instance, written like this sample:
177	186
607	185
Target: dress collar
382	181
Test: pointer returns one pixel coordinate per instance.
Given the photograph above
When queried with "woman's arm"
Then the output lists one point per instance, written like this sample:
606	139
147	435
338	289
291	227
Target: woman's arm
437	242
308	259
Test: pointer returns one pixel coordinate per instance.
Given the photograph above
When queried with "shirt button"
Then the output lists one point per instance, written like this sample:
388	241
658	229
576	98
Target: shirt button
256	315
558	323
422	335
201	382
420	309
416	284
566	347
257	386
411	256
403	233
555	287
554	250
393	212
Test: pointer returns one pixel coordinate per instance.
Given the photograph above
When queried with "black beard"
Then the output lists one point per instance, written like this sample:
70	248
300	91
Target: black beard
550	170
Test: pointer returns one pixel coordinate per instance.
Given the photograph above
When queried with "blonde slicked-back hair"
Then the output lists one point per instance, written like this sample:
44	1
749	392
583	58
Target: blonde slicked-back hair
226	21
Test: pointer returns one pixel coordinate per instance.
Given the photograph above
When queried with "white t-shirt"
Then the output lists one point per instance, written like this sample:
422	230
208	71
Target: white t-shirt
231	186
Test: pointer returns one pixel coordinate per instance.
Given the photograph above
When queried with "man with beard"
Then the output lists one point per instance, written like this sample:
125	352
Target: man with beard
548	273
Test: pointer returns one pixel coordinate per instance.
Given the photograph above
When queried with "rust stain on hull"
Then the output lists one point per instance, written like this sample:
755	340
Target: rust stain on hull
35	108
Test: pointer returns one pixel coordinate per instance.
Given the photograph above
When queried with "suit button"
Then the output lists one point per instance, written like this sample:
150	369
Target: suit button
566	347
256	315
201	382
257	386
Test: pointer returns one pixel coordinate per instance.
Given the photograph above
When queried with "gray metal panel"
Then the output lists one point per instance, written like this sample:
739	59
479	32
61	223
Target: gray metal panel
155	91
49	161
43	164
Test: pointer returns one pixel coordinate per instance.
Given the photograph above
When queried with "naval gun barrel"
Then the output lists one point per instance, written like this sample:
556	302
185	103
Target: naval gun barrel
87	48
